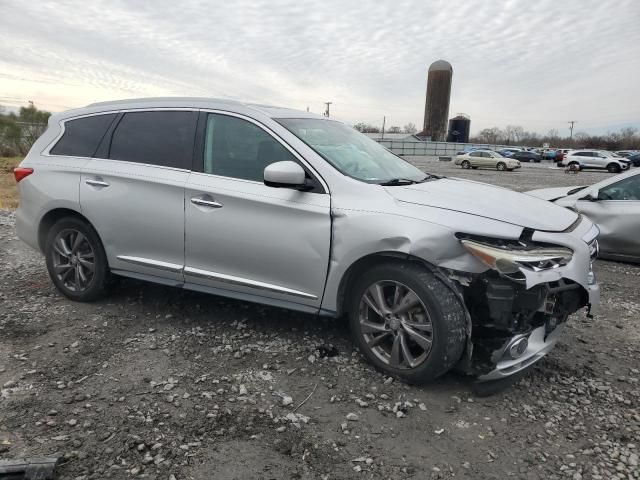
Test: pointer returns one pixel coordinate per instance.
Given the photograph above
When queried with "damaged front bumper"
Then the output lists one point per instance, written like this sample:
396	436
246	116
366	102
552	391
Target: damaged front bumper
515	323
508	335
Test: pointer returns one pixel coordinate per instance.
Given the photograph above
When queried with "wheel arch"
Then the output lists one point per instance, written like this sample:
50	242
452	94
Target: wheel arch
51	217
366	262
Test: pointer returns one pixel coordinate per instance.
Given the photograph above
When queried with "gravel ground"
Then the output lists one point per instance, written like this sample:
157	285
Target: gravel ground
160	383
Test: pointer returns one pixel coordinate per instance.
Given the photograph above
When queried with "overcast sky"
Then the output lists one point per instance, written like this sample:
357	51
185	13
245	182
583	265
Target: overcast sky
532	63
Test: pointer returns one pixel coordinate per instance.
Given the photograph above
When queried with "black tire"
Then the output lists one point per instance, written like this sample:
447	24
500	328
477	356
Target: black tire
537	161
100	280
465	164
445	310
475	168
613	168
501	166
576	164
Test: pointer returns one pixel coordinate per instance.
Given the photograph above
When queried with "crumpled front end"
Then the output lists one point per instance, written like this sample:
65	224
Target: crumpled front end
518	308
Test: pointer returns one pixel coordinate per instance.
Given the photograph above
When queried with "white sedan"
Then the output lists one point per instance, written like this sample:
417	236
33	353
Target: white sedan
486	159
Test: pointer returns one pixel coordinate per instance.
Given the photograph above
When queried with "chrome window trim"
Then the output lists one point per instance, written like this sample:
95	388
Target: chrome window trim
63	121
273	135
148	262
300	158
245	282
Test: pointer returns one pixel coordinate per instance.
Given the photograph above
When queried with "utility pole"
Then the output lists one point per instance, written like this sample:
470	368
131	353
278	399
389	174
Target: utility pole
326	112
384	119
571	122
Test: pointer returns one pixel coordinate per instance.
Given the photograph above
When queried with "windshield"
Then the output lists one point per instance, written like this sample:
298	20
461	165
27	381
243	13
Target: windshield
351	152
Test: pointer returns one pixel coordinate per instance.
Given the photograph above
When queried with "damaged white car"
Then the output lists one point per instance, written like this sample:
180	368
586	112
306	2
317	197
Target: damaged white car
295	210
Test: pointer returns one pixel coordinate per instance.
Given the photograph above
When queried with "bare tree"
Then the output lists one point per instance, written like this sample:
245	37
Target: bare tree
394	130
410	128
366	128
491	135
513	133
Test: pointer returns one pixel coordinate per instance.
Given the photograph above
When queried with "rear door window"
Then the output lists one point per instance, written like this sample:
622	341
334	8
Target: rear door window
82	136
163	138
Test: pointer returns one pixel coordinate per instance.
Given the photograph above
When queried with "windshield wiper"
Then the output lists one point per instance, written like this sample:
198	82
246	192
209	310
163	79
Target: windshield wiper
404	181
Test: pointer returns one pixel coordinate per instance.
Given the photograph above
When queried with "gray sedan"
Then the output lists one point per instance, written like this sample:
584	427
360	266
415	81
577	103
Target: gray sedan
614	204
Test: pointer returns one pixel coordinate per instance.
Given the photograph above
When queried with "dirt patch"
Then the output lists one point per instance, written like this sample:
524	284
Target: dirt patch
153	382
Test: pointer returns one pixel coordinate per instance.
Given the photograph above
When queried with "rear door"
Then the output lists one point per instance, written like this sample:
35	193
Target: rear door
245	238
476	159
134	196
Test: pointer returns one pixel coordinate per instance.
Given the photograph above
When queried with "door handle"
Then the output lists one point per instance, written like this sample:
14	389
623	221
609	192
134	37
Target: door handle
202	202
96	183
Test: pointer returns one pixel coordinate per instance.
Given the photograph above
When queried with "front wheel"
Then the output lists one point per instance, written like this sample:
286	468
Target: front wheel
466	164
501	166
407	322
76	260
613	168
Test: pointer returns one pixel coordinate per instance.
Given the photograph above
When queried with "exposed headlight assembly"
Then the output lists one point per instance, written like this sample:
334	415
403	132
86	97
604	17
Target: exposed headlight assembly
509	261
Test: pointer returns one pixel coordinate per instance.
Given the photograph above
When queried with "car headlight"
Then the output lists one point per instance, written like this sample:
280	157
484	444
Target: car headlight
508	260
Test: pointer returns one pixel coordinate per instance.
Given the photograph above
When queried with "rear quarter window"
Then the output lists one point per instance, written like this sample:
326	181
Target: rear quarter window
82	136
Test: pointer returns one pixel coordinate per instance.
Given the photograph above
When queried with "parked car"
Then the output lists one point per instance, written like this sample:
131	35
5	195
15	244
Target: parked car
626	153
508	152
614	204
597	159
561	153
527	157
473	149
548	154
634	159
292	209
486	159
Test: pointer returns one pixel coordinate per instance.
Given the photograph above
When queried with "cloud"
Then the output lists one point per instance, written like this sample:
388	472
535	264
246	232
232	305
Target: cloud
535	64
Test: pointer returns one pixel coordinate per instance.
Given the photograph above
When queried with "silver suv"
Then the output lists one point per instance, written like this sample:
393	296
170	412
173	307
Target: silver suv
295	210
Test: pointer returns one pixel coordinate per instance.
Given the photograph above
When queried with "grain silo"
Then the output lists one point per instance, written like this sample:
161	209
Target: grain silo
436	111
459	128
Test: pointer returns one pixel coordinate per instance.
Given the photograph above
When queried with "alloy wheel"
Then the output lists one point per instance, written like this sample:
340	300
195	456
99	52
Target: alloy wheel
395	324
73	260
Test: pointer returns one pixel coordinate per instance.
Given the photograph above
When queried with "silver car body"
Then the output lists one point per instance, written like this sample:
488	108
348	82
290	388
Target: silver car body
599	159
614	205
286	247
487	159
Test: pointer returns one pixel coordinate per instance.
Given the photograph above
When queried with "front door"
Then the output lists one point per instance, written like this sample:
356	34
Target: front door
135	196
616	212
244	238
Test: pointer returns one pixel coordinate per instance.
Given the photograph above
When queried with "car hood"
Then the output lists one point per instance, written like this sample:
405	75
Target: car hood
486	201
551	194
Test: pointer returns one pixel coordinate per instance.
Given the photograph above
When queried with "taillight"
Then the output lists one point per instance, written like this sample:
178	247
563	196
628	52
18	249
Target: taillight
21	172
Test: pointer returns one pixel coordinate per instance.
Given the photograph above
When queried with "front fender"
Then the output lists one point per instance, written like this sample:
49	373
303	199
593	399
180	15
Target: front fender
358	234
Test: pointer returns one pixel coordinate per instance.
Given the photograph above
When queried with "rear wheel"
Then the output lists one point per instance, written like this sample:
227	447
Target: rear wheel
613	168
465	164
407	322
574	166
76	260
501	166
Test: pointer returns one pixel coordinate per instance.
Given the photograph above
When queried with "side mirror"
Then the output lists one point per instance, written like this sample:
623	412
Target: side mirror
285	174
592	196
